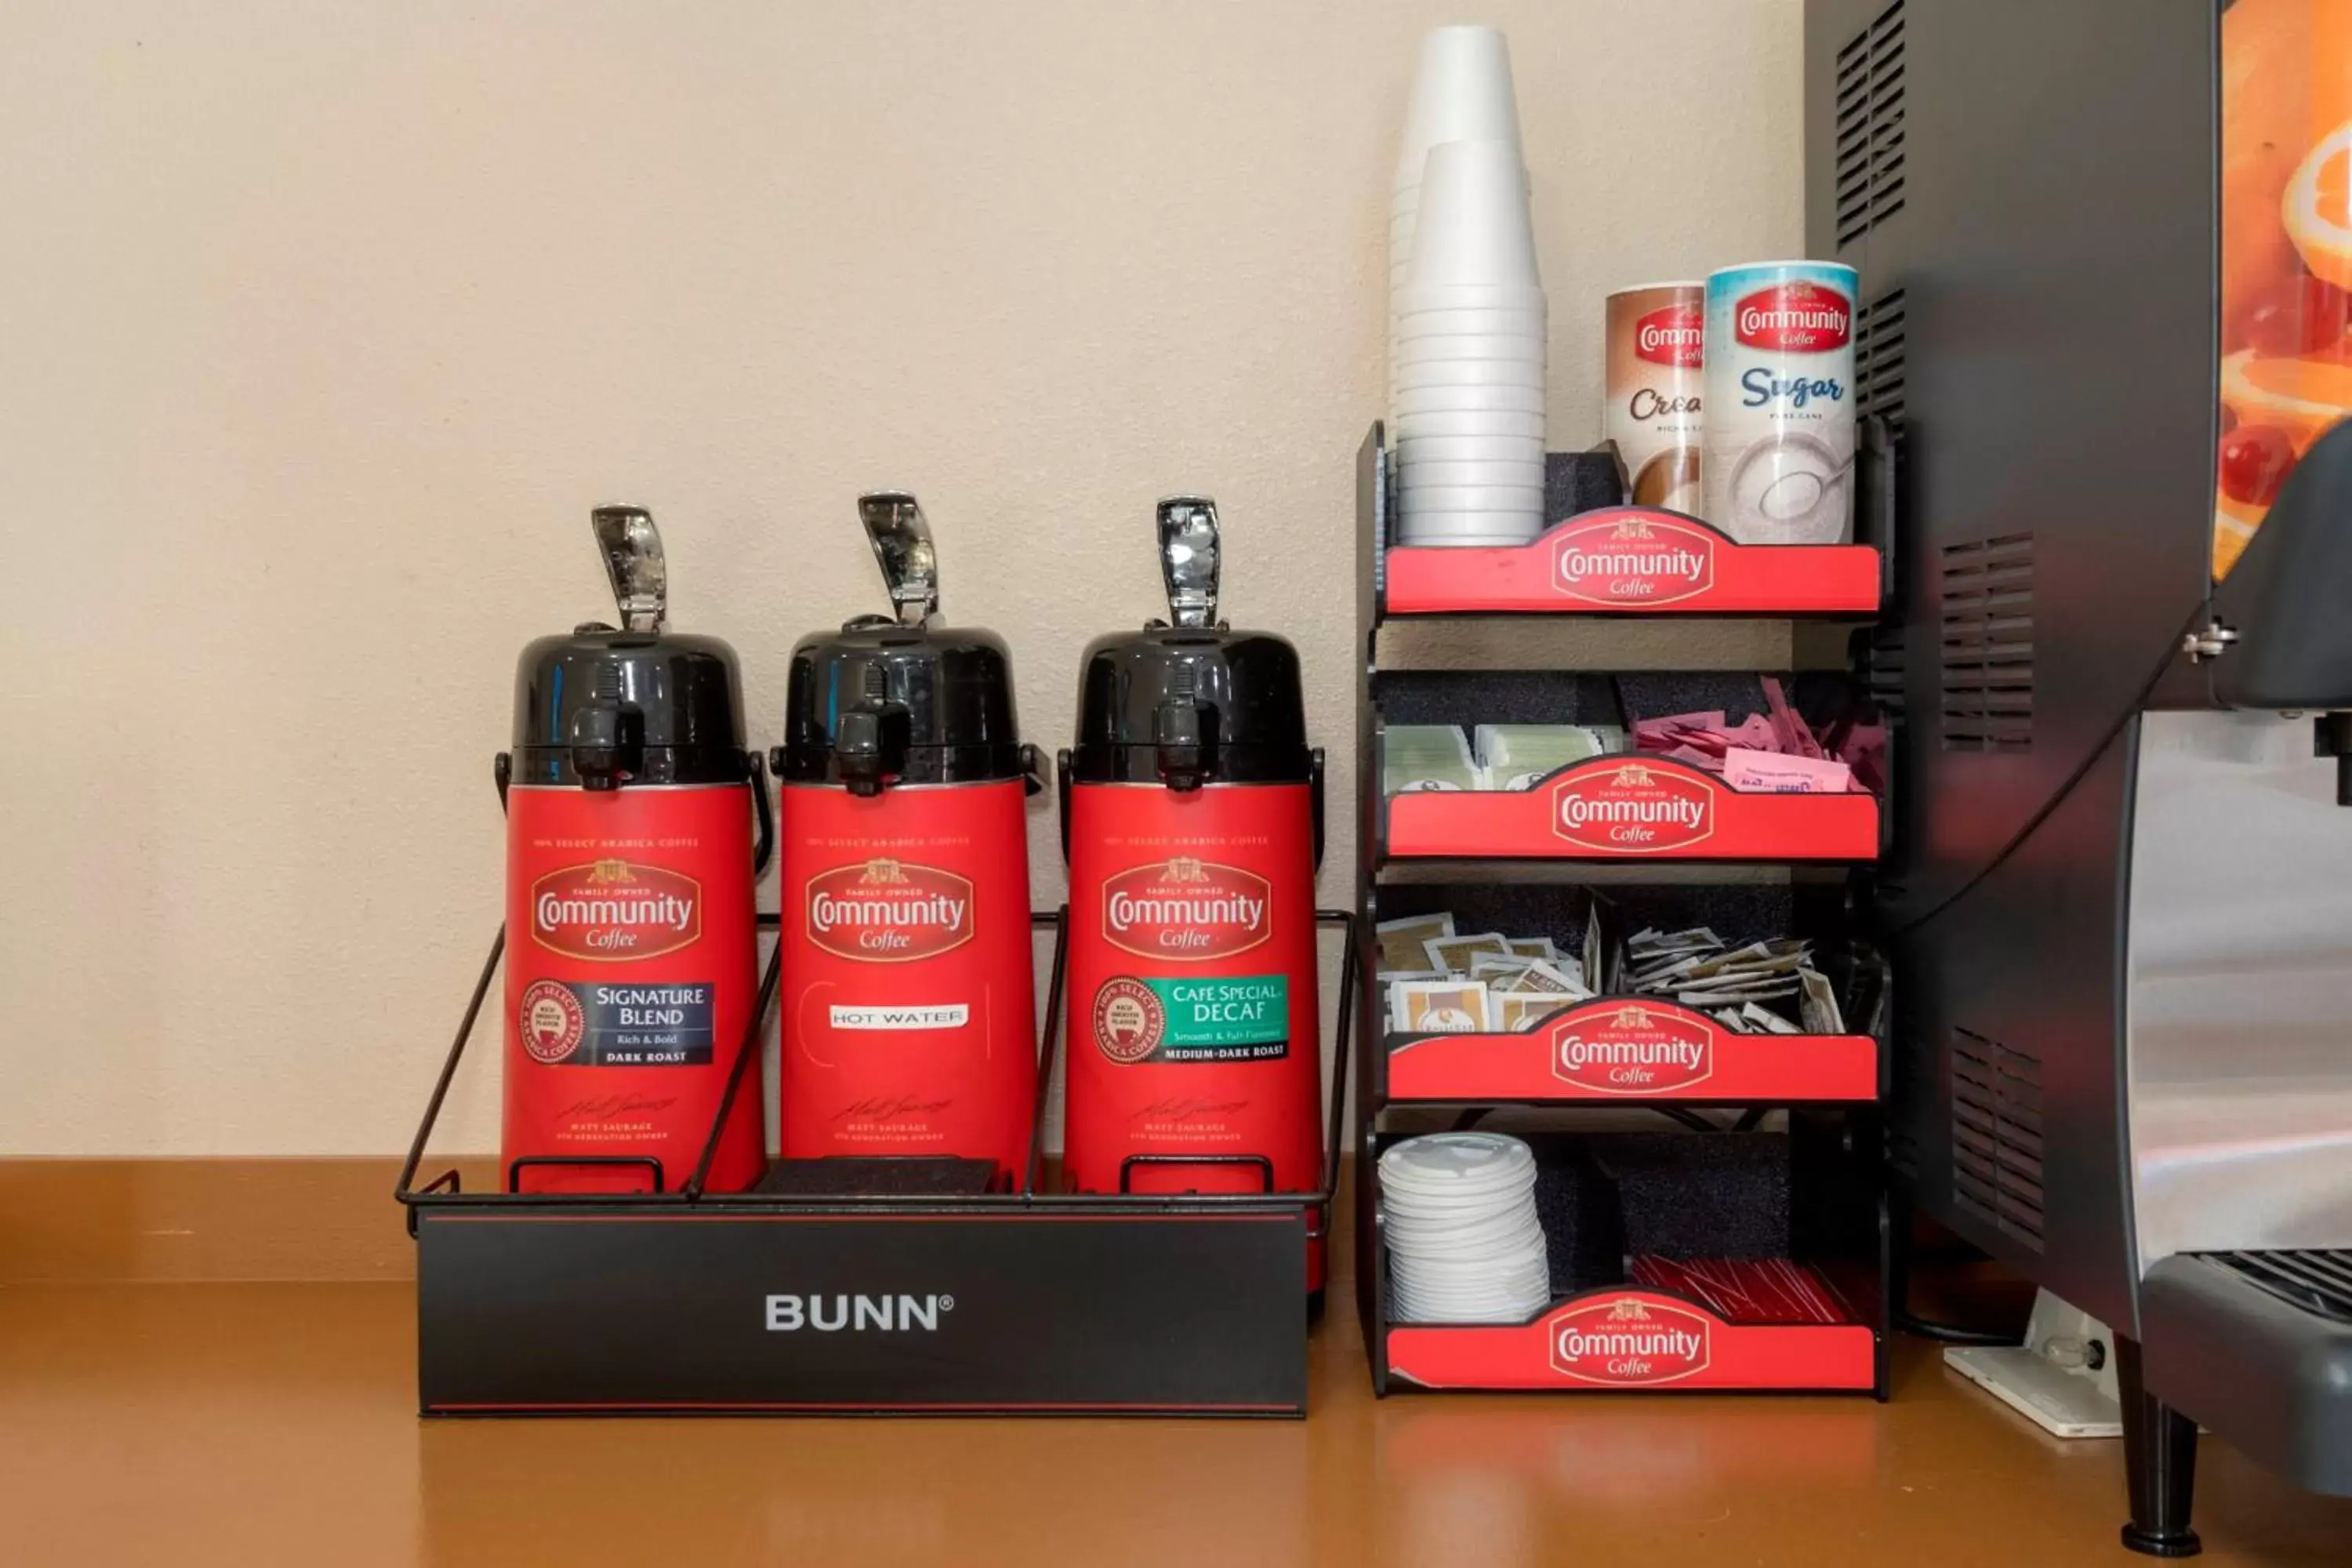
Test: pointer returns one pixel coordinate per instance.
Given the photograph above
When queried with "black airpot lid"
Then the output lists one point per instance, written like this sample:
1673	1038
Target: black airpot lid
1240	691
890	701
935	700
1192	702
603	706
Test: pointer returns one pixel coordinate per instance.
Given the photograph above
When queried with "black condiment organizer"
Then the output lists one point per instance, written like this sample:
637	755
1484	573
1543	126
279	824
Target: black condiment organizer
1838	1219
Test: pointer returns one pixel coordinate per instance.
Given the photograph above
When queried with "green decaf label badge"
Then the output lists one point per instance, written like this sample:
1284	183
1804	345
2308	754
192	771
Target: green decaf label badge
1233	1018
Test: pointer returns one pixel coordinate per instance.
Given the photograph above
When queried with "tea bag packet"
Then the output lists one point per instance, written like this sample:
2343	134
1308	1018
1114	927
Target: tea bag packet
1391	979
1648	944
1818	1007
1731	1018
1415	757
1453	954
1697	969
1719	994
1595	951
1764	1021
1516	756
1534	947
1499	972
1541	979
1440	1006
1402	941
1523	1009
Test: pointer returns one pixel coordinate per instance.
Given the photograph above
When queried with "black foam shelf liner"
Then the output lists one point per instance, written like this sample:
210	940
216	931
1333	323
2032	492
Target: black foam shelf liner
1605	1197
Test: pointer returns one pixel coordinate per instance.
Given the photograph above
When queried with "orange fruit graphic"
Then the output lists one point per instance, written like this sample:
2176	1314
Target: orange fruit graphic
2301	396
2317	210
2268	52
2234	522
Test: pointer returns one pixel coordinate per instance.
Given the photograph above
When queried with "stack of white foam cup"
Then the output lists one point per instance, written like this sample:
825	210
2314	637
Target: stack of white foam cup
1465	1244
1467	314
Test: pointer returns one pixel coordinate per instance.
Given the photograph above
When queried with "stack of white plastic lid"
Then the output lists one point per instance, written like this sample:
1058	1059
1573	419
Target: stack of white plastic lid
1467	317
1464	1244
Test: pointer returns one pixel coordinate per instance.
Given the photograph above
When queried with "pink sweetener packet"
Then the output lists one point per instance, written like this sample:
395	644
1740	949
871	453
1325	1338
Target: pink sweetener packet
1770	772
1795	736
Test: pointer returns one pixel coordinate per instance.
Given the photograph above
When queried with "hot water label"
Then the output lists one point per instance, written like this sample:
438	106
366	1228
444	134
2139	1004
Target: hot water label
593	1023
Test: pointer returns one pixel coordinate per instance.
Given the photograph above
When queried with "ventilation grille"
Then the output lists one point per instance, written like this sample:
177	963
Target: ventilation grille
1879	369
1883	668
1870	127
2318	1282
1902	1151
1997	1136
1988	649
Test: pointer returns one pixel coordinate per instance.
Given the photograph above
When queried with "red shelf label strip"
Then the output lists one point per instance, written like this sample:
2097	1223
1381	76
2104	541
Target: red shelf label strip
1631	1048
1634	560
1626	807
1633	1339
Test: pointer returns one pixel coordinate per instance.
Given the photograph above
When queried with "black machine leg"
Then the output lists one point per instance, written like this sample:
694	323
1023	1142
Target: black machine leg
2159	1464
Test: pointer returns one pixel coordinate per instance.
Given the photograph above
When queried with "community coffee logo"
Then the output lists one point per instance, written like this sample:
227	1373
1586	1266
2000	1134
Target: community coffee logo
1628	1341
1632	809
1637	560
886	912
614	910
1129	1022
1673	335
1794	318
1188	910
1632	1049
551	1021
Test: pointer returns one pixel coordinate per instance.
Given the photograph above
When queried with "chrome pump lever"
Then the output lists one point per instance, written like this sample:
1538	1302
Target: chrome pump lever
1188	559
901	538
632	548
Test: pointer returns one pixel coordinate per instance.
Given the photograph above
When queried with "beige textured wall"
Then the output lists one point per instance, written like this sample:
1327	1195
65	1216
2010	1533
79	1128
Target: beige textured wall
323	324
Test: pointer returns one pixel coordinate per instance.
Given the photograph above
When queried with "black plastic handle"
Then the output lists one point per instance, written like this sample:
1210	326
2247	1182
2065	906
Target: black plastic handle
608	744
1315	800
1264	1166
1184	741
1062	788
869	746
764	844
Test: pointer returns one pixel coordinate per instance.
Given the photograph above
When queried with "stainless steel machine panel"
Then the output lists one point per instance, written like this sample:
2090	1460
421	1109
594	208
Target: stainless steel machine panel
2238	1016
